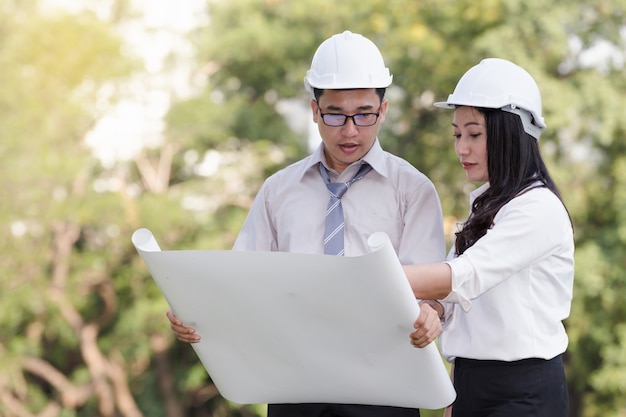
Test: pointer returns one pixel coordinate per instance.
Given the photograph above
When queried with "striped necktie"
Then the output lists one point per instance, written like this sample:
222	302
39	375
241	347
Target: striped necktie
333	233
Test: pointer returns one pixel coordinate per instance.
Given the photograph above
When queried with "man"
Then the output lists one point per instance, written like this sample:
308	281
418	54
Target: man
348	79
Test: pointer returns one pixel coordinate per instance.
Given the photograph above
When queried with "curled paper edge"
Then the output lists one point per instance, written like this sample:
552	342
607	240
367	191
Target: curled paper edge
145	241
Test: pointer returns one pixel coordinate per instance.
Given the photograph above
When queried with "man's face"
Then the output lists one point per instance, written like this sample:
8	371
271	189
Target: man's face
343	145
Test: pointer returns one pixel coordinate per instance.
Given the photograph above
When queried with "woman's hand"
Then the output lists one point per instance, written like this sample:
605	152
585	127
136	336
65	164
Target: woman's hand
427	326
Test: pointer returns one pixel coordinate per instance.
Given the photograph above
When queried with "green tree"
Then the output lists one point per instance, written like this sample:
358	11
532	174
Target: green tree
56	253
258	52
82	330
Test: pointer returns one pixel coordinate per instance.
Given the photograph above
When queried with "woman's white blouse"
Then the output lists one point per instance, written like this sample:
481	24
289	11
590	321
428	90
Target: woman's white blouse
513	288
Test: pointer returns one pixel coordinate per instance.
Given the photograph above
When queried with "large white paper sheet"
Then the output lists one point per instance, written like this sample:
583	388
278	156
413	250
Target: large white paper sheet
291	328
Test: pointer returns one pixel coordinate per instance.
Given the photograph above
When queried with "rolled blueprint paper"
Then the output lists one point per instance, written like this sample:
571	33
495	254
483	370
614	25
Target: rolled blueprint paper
282	327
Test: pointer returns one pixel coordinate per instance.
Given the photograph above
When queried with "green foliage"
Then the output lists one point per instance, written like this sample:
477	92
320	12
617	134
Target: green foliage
76	298
428	45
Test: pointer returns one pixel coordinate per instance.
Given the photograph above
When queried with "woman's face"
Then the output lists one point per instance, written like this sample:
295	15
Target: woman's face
470	134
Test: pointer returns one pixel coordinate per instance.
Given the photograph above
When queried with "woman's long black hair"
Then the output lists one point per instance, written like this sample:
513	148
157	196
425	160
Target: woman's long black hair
515	166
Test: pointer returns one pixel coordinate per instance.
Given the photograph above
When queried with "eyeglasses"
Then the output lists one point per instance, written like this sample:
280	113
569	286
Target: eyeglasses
361	119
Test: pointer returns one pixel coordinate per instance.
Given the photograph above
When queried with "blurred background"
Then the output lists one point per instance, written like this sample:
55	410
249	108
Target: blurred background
120	114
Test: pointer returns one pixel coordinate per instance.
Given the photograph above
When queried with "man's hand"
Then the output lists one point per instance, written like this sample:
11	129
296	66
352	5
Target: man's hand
183	333
427	326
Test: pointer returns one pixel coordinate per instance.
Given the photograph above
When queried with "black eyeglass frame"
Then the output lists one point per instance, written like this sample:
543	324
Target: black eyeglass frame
346	117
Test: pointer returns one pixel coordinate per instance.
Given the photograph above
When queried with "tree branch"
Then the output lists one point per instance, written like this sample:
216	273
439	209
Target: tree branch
164	375
71	395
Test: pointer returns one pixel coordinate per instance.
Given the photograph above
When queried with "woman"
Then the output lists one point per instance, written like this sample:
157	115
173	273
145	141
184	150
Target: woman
507	285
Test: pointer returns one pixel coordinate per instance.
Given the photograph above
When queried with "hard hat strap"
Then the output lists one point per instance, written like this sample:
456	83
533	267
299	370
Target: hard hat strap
527	120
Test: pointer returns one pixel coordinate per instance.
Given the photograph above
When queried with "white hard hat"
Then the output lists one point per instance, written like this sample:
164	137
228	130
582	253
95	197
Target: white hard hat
500	84
345	61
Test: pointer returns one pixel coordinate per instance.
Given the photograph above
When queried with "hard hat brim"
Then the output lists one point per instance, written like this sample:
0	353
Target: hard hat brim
446	105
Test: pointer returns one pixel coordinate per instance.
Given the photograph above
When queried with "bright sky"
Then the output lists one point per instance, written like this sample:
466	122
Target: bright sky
138	120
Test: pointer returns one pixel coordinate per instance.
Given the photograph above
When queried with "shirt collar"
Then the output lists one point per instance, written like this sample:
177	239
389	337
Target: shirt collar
477	192
375	157
480	190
